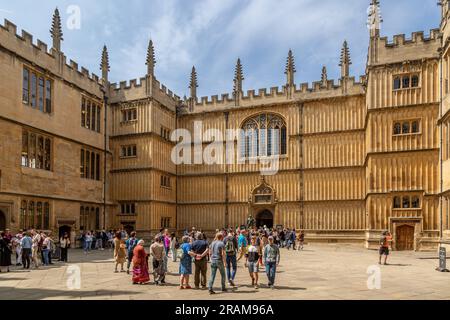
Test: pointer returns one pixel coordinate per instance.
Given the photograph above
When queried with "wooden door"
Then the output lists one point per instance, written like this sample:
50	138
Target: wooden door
2	221
405	238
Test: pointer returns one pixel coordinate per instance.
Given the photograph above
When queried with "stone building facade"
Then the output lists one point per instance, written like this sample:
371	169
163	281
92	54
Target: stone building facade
356	157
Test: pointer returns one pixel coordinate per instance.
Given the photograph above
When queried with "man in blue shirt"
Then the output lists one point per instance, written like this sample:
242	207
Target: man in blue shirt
242	244
130	245
26	244
217	253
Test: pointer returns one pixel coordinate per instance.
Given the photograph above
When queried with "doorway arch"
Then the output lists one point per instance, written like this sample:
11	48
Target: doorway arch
129	228
63	230
264	218
2	221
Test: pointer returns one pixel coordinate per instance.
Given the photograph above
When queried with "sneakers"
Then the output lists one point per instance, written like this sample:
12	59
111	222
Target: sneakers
256	286
231	283
211	291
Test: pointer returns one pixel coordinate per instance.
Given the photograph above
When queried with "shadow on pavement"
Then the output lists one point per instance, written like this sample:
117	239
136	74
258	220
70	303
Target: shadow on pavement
38	294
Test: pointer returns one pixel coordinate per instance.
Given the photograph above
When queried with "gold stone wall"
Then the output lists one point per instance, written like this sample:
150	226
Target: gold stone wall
345	163
61	187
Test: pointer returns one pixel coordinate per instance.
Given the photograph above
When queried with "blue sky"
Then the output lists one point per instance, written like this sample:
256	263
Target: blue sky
212	34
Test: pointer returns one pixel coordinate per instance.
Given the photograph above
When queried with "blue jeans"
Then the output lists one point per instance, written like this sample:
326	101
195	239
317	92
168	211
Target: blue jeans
231	264
271	270
45	253
214	266
87	245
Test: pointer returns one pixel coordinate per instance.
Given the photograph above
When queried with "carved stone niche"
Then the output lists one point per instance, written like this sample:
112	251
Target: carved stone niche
263	194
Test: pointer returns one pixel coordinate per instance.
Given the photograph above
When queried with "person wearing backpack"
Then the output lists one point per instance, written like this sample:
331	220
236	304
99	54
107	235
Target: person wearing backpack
131	243
231	249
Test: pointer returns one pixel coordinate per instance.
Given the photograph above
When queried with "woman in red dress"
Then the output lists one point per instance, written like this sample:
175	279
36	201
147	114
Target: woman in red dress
140	264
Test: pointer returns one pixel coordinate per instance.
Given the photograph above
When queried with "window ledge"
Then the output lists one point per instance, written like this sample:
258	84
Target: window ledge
406	89
131	157
37	172
127	123
264	158
406	134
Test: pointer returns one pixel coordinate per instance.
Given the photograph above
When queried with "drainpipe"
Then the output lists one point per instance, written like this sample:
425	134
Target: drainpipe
441	230
105	108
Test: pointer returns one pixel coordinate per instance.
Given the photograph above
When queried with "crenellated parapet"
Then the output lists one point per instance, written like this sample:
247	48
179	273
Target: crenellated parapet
400	48
52	61
137	90
276	95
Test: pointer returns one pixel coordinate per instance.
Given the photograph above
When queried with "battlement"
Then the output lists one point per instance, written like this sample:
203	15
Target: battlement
38	54
139	84
400	48
136	89
305	91
417	38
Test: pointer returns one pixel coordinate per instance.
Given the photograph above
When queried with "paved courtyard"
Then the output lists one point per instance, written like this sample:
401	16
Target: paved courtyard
318	272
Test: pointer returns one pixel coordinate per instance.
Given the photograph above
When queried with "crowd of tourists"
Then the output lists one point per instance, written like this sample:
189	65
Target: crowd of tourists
258	248
97	240
31	248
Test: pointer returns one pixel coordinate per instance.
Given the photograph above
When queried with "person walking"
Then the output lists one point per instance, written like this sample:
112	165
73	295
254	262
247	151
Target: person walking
35	248
386	239
174	246
186	263
242	244
301	240
271	258
131	243
64	244
26	243
231	250
157	251
294	239
87	242
5	251
251	261
45	249
17	248
140	264
200	248
120	253
217	253
166	241
51	248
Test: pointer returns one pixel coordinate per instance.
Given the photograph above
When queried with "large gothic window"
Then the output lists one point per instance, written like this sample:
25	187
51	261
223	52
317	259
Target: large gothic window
263	135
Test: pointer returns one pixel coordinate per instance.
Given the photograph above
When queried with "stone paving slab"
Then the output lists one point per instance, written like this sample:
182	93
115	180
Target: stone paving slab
320	272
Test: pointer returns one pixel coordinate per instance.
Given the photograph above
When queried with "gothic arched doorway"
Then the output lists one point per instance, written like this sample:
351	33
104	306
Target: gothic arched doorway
130	227
64	229
264	218
2	221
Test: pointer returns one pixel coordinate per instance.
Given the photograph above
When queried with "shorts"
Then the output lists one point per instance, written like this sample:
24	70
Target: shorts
384	251
253	267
